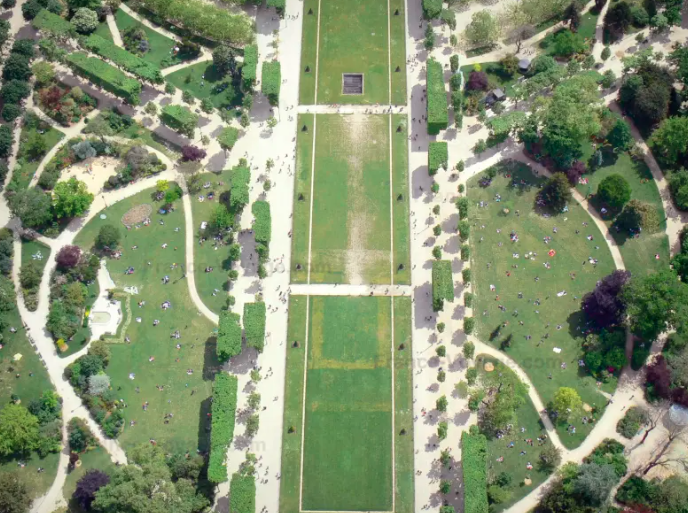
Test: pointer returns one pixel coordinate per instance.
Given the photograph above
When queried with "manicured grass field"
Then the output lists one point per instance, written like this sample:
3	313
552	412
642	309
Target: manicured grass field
638	253
354	38
103	31
27	165
220	90
514	464
37	483
186	396
96	459
400	200
348	437
31	248
160	46
556	317
212	287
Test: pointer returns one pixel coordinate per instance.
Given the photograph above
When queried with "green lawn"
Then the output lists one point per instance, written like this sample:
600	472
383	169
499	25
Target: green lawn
96	459
187	397
558	318
638	253
348	349
400	200
220	90
351	200
302	199
103	31
160	46
353	39
38	483
588	25
27	165
514	464
495	76
212	286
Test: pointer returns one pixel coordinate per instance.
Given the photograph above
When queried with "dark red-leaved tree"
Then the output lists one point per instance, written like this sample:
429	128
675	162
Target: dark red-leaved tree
603	306
88	485
193	153
574	173
477	81
68	257
659	376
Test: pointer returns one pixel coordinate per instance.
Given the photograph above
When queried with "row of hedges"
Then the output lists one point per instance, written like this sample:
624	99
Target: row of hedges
222	430
204	19
127	61
250	67
239	188
474	458
242	494
271	81
108	77
438	116
228	336
179	118
442	284
52	23
254	325
262	226
438	156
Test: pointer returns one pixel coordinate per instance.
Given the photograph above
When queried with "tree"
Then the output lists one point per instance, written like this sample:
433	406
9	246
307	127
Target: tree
620	136
468	350
86	488
604	305
441	403
477	81
520	33
567	43
501	410
44	73
15	495
645	95
18	430
614	191
71	198
483	30
98	384
617	20
566	402
252	425
30	275
68	257
638	215
84	150
228	138
594	482
429	41
14	91
108	237
17	68
32	206
556	192
35	146
669	143
85	20
659	23
193	153
510	64
550	458
100	127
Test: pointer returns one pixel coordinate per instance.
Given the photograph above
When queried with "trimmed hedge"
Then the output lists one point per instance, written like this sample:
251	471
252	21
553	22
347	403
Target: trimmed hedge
271	81
438	116
180	118
106	76
474	458
442	284
222	428
228	137
127	61
242	494
254	325
239	188
462	205
228	336
262	227
438	156
250	67
52	23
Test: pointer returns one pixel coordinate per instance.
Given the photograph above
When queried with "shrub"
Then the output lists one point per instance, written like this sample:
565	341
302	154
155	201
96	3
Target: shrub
466	275
271	81
85	20
222	428
250	67
454	63
438	156
228	336
438	117
468	325
614	190
262	226
243	496
462	205
464	230
126	60
442	284
254	325
10	112
474	458
465	253
109	77
52	24
228	137
180	118
631	422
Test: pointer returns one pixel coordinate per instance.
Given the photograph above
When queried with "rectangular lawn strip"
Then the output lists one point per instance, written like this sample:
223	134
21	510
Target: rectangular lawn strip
514	464
638	253
96	459
103	31
403	406
27	165
495	76
302	199
572	253
189	394
309	43
31	248
221	90
160	46
212	287
353	39
347	453
398	51
588	25
290	483
400	208
351	242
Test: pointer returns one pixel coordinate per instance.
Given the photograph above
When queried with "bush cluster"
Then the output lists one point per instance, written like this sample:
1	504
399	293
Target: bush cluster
438	117
106	76
438	156
228	336
222	430
124	59
243	487
474	457
442	284
271	81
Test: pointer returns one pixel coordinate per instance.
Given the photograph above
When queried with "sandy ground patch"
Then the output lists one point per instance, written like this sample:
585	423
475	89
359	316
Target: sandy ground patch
93	172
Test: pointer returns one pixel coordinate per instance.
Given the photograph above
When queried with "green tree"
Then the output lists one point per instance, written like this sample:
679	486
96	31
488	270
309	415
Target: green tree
18	430
669	143
567	402
44	73
638	215
30	275
15	495
556	192
483	30
33	206
594	482
108	236
614	191
224	60
441	403
71	198
510	64
85	20
468	350
228	138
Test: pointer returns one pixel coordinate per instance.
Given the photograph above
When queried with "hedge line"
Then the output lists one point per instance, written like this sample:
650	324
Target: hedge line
262	227
254	325
228	336
442	284
49	22
271	81
250	67
239	188
128	61
242	494
108	77
438	116
205	19
438	156
474	458
222	428
180	118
